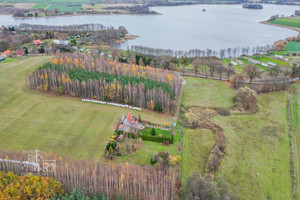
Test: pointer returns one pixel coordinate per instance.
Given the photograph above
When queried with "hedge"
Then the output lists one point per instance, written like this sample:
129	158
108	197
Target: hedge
149	138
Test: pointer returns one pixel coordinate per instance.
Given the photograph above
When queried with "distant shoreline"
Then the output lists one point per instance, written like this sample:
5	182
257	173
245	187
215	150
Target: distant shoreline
282	26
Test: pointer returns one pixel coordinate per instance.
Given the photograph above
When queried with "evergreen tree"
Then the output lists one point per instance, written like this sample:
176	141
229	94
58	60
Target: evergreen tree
42	50
153	133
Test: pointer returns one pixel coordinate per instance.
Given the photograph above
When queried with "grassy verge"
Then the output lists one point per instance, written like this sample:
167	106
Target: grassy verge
257	162
63	125
295	124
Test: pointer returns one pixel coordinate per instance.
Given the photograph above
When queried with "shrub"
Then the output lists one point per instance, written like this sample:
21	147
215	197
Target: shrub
199	187
27	187
246	99
61	90
78	195
223	112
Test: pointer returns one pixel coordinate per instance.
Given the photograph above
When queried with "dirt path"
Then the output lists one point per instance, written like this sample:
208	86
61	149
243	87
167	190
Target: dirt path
48	6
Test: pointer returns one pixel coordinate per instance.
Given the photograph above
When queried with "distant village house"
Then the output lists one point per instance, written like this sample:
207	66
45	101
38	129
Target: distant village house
37	42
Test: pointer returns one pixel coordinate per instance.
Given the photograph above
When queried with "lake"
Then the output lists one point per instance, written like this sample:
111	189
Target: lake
187	27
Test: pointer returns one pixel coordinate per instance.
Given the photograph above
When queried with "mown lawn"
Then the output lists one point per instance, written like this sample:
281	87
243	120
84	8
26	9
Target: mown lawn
63	125
143	155
291	22
158	132
197	144
292	46
207	93
257	161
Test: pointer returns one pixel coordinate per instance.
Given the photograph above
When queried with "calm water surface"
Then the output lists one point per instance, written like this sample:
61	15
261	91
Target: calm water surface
187	27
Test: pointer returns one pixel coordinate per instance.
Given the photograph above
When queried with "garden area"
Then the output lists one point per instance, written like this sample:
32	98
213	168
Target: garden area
141	142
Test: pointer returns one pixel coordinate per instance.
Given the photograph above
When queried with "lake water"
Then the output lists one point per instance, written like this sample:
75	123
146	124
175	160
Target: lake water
187	27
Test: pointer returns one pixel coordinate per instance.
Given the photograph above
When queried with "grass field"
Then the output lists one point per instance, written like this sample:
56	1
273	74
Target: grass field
59	124
40	5
292	46
264	59
291	22
206	93
197	145
66	7
246	62
257	162
10	59
295	124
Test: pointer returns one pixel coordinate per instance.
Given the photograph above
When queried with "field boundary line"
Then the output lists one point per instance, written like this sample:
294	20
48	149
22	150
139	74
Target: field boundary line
292	159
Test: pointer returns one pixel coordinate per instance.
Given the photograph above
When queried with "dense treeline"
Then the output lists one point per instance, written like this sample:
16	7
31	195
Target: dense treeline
14	187
96	32
86	77
66	28
128	180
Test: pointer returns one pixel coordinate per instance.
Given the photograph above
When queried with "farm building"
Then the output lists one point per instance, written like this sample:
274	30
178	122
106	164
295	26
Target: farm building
61	42
17	53
271	63
6	53
254	61
294	54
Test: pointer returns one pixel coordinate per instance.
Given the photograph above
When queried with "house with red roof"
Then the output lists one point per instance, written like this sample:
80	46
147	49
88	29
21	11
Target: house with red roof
17	53
129	124
37	42
6	53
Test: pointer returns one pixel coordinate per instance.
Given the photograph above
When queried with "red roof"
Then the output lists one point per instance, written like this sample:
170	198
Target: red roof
121	136
121	126
37	42
19	53
128	117
6	52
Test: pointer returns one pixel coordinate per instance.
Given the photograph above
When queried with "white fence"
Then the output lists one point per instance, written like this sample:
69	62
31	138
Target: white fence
113	104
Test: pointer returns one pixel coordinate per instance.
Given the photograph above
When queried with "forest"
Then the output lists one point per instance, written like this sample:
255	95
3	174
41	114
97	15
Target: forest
95	78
